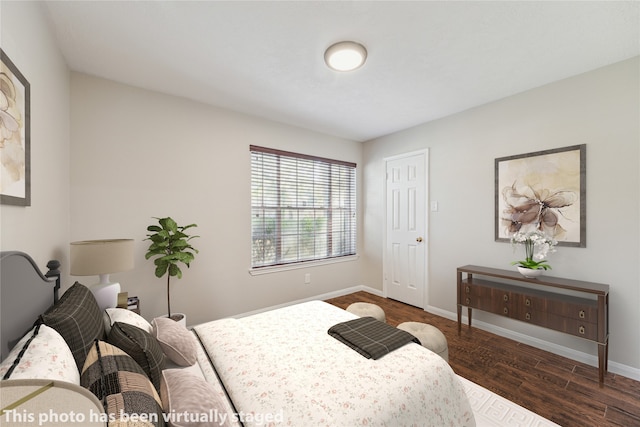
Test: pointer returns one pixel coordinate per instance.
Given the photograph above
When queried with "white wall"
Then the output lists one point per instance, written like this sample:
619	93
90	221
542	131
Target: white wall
137	154
42	229
600	109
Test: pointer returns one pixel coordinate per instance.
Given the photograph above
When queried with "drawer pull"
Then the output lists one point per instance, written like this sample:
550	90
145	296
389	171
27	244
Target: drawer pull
468	301
581	330
505	297
581	314
527	316
467	289
527	302
505	310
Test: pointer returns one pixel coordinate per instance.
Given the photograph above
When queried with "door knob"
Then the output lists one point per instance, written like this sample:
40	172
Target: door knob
419	239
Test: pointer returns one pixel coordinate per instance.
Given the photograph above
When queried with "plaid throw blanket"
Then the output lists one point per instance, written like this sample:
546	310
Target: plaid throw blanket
370	337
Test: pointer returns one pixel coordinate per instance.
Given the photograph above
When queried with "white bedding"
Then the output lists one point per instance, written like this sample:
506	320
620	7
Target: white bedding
282	366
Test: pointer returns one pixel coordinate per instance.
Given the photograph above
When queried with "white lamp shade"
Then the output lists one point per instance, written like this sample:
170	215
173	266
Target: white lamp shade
95	257
102	257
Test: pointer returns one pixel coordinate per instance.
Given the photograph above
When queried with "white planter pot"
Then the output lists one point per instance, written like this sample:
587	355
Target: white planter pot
530	273
181	318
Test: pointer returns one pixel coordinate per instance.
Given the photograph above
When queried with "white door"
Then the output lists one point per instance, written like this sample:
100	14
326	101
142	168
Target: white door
406	225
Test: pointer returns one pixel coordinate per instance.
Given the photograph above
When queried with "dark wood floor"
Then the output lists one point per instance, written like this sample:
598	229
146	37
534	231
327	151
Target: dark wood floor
562	390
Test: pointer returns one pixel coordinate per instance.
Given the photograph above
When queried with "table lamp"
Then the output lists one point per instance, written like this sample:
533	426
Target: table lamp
102	257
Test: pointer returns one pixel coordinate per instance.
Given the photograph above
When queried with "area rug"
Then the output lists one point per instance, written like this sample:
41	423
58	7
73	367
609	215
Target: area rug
493	410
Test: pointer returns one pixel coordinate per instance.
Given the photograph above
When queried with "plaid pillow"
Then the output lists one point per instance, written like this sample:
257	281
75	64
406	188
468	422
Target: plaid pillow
142	347
122	385
77	317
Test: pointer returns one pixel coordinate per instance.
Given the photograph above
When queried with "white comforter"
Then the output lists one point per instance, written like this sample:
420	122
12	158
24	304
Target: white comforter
282	368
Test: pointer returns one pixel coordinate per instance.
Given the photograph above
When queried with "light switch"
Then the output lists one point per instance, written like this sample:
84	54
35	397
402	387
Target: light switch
434	206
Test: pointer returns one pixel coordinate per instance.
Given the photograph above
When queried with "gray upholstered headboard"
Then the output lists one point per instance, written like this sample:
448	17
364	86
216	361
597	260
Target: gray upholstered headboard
25	293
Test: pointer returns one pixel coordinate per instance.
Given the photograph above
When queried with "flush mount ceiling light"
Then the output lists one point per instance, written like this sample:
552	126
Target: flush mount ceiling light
345	56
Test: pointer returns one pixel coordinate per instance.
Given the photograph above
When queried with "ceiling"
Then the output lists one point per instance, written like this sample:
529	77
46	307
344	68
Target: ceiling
426	59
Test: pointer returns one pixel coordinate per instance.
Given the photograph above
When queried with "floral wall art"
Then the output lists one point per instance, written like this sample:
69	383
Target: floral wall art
15	184
545	191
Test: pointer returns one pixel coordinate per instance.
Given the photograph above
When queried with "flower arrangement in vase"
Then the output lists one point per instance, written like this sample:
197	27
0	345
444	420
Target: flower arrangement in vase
537	245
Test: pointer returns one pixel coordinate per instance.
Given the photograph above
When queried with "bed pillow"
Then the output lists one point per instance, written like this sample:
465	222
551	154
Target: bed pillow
176	341
142	347
183	392
123	315
41	353
77	317
113	375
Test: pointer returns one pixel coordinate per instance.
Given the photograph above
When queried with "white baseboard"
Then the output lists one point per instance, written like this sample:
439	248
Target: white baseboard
614	367
321	297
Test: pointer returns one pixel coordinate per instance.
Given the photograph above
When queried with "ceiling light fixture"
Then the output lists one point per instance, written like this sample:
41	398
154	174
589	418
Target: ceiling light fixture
345	56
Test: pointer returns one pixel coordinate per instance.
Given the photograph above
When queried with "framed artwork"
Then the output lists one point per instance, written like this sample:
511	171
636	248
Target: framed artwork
545	190
15	135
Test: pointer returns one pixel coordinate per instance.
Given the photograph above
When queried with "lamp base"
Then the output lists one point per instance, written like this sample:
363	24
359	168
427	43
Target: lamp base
106	294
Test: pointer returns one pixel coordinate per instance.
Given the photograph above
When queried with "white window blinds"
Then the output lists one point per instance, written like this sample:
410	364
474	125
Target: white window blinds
303	208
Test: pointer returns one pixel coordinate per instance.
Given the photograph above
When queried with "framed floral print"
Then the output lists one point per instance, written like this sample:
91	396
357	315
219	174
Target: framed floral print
15	135
544	190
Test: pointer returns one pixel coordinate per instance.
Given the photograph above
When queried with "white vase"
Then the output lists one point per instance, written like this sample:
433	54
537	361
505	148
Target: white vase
530	273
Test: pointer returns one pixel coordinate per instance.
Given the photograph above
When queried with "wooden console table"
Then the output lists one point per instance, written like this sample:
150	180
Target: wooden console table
585	317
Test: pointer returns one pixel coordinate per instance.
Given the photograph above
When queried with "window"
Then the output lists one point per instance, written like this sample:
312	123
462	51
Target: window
303	208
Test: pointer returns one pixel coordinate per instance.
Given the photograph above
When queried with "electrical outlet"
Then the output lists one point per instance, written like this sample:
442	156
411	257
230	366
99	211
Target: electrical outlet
307	278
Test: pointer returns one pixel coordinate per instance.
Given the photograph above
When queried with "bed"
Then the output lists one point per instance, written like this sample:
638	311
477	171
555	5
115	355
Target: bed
29	289
282	363
279	367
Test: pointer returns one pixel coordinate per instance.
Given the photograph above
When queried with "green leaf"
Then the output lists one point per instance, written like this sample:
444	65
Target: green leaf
185	257
533	265
168	224
156	238
161	269
174	270
180	243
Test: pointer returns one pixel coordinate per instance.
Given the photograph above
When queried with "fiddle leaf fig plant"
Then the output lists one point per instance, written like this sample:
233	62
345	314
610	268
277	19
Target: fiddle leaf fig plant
170	245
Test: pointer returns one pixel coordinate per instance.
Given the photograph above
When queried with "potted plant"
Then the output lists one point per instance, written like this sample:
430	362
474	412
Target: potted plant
537	245
170	245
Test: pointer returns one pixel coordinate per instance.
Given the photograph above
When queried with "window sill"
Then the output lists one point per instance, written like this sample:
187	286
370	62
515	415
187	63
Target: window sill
297	266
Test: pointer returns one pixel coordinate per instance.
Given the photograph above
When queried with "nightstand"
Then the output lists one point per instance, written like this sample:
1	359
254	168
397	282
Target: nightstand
130	303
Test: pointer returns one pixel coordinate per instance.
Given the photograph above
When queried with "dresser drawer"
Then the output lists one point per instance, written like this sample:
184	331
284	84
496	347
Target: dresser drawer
469	294
571	326
487	298
585	310
535	317
531	302
562	324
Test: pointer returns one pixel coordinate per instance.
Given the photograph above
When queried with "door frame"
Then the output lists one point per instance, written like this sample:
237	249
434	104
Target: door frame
385	267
